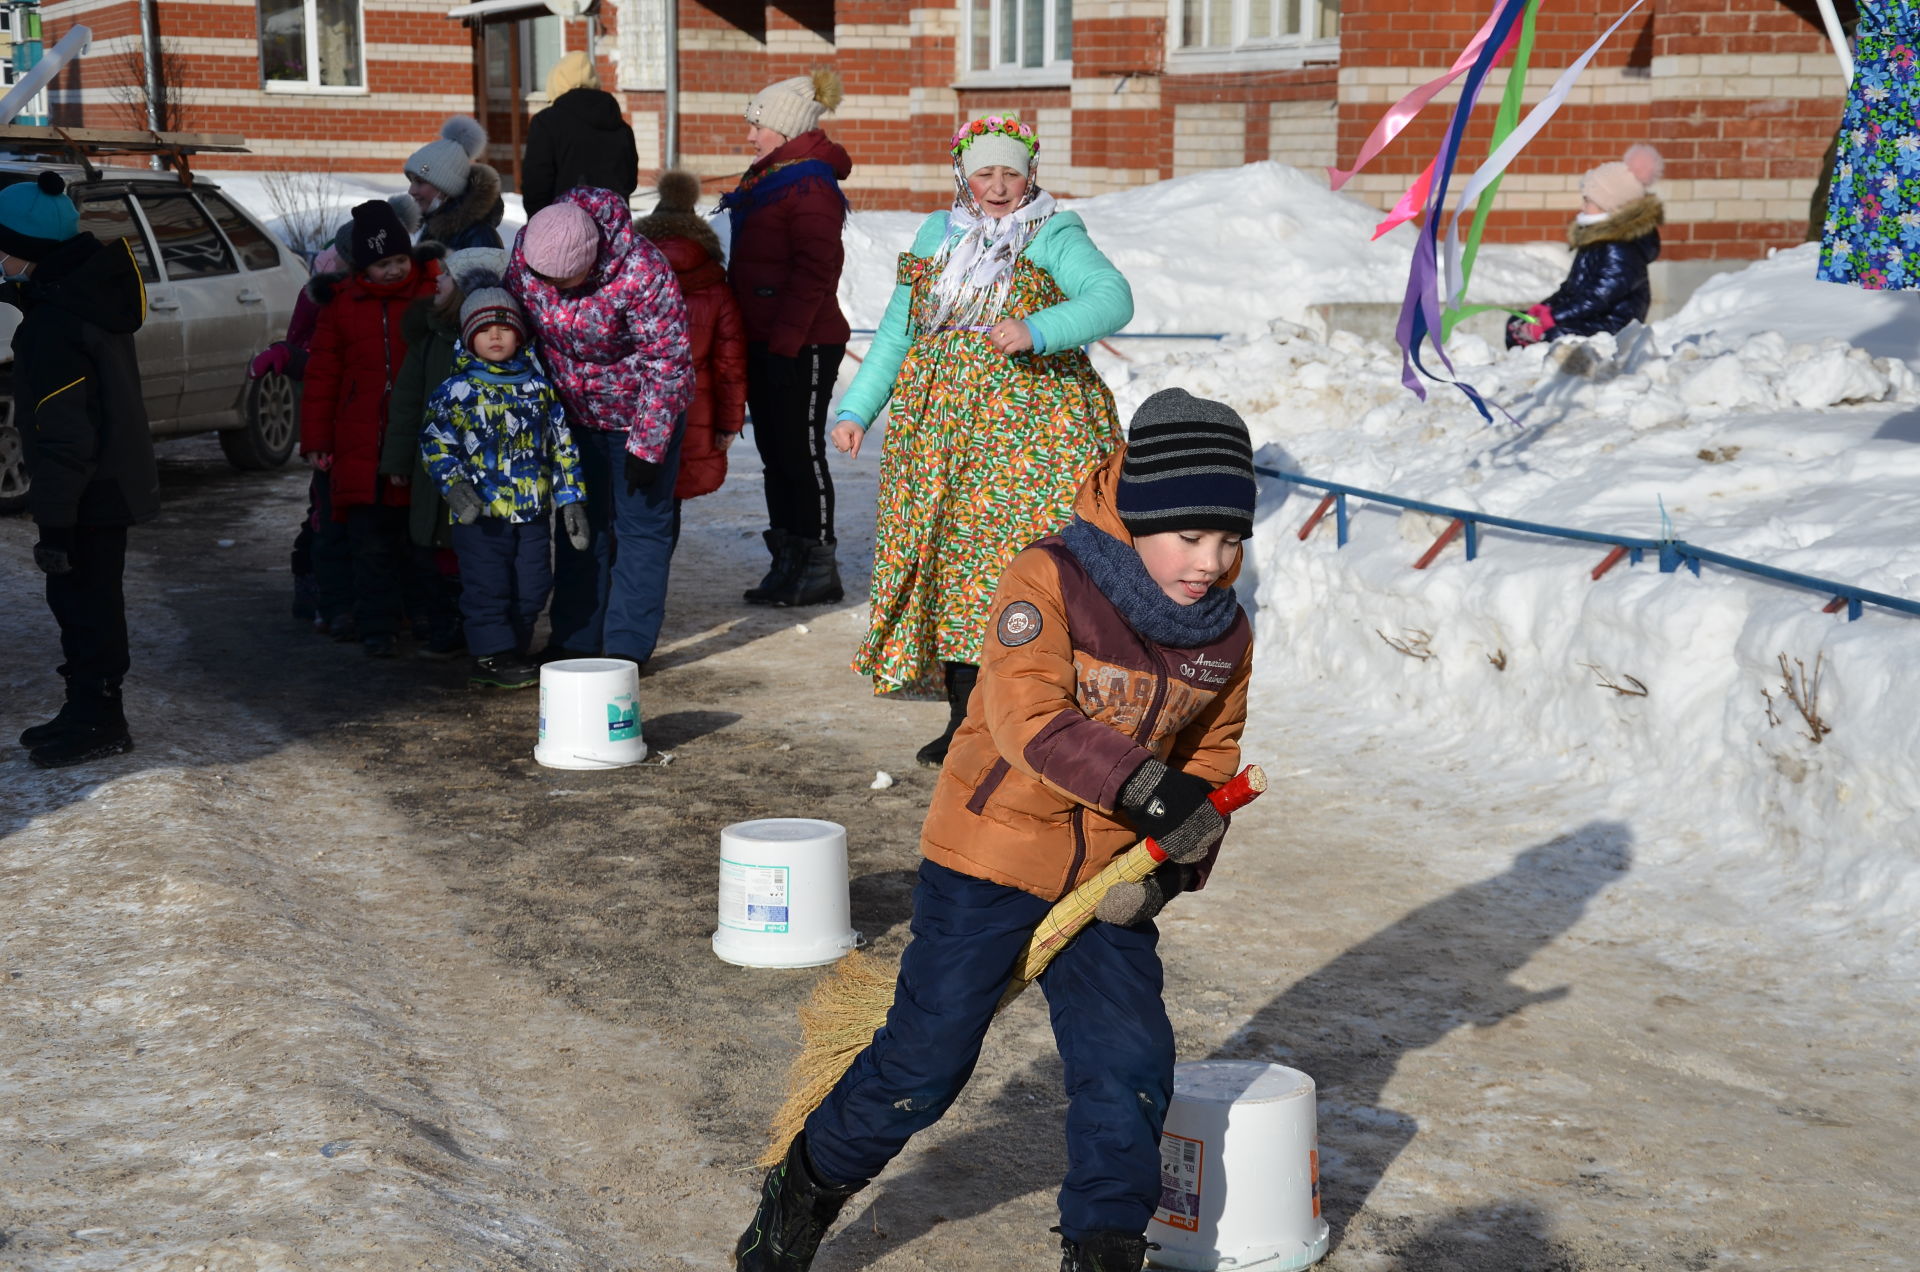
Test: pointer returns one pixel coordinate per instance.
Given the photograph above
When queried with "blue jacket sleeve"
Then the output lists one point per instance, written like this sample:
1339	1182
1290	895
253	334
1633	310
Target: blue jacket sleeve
1099	301
1598	283
440	442
873	383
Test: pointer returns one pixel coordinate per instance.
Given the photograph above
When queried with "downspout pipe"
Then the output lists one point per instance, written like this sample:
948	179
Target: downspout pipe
670	142
150	42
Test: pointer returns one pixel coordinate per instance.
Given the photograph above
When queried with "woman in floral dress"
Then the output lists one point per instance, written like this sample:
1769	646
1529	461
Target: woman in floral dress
1872	233
997	414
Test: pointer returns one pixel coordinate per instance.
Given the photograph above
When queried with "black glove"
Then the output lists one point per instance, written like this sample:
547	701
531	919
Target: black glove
1172	807
464	502
641	473
573	520
54	553
1128	904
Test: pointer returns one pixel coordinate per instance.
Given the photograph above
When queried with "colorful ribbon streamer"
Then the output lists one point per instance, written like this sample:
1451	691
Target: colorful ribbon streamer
1510	102
1504	153
1420	309
1401	113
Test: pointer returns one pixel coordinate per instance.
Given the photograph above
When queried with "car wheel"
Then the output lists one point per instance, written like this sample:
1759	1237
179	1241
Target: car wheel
13	458
272	414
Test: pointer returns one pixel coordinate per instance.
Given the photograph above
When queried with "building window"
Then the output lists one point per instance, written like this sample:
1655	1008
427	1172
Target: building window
522	53
1251	26
1018	35
312	45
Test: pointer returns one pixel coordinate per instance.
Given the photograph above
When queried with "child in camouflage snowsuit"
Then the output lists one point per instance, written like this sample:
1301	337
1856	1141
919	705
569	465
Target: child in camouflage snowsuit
496	442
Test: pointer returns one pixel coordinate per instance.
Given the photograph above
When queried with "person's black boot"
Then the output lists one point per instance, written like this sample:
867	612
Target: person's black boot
960	682
787	551
796	1209
64	719
1105	1251
817	579
98	729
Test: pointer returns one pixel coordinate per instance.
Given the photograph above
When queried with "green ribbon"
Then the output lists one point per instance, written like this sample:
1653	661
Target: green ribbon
1504	123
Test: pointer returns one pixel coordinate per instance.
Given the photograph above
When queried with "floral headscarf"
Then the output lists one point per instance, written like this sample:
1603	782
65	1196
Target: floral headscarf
976	265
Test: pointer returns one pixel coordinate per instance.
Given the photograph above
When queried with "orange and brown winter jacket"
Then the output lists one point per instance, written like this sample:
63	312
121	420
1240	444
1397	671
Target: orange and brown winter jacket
1072	700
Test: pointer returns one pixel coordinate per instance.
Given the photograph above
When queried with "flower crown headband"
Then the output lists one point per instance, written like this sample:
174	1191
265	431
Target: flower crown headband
1007	125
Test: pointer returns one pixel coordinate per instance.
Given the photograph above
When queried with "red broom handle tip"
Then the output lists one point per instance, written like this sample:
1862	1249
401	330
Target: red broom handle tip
1245	787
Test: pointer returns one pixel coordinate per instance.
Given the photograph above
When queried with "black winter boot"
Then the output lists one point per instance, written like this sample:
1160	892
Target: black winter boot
787	552
817	579
98	729
1105	1251
796	1209
64	719
960	682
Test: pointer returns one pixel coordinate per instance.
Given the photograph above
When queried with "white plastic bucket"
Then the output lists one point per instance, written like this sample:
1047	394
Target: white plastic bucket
1239	1171
783	893
590	714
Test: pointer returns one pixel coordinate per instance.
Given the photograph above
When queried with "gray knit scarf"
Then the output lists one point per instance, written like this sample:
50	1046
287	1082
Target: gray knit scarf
1121	576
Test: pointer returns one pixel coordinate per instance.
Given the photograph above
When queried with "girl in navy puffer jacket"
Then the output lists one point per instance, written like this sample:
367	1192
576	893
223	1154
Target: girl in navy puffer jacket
1615	238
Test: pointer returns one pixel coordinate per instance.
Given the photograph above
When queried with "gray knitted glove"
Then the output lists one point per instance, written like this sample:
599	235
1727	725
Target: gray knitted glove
464	502
1127	904
573	519
1172	806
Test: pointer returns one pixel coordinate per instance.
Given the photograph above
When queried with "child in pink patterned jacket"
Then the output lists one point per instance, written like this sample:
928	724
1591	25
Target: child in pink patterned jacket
612	331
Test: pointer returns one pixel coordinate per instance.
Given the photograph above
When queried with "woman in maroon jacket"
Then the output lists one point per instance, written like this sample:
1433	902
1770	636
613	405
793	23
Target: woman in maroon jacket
785	269
358	346
719	342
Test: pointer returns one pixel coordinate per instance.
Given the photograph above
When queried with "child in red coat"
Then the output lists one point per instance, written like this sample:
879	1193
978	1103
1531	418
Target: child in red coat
358	346
719	408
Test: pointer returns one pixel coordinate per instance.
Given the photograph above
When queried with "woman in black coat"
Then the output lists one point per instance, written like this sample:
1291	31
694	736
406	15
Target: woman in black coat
580	139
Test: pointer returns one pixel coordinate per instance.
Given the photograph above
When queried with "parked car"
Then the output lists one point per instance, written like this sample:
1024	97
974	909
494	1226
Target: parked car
220	287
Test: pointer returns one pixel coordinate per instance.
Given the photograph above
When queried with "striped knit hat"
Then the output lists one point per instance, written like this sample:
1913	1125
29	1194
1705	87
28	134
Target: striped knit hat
1189	466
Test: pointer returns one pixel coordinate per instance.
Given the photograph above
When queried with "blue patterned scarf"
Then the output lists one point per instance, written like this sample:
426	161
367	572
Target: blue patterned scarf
1121	576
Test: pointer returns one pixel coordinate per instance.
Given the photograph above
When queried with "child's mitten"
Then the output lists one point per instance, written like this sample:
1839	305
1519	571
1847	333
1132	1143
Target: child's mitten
573	519
274	358
464	502
1172	806
1127	904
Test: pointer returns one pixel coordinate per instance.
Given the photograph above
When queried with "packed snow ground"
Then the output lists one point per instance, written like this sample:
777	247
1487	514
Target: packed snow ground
1774	417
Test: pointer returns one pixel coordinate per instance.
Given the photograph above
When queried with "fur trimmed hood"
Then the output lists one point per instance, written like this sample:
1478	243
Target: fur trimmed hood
1635	220
480	204
686	225
322	288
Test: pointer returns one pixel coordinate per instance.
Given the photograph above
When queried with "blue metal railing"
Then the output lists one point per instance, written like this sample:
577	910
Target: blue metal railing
1672	553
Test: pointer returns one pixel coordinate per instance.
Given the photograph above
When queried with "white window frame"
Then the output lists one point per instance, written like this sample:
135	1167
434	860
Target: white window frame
1001	73
310	11
1244	53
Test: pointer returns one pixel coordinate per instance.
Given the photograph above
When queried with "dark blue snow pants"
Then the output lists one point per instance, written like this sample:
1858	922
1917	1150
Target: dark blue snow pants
506	575
1116	1045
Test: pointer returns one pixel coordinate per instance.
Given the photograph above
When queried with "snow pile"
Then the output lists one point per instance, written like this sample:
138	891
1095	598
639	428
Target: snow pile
1663	695
1225	251
1781	294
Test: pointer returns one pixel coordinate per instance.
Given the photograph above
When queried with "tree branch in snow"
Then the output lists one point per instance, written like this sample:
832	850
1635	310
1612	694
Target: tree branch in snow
1803	691
1412	642
1632	689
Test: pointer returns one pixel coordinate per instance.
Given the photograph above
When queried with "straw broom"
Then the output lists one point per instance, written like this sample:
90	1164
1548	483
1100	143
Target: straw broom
850	1003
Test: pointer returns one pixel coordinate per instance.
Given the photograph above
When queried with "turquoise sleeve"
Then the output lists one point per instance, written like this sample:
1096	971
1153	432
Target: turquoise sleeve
872	385
1098	303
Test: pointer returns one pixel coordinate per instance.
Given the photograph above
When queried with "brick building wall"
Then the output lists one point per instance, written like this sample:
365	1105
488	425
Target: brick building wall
1742	96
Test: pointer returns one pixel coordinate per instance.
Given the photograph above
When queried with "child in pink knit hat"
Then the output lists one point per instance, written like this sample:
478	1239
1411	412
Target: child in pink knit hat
1615	237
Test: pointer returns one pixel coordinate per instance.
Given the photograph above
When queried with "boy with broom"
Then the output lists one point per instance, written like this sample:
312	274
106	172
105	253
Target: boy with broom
1111	698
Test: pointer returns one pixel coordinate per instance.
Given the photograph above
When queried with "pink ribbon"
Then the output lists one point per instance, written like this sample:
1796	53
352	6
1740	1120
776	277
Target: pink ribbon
1410	203
1402	112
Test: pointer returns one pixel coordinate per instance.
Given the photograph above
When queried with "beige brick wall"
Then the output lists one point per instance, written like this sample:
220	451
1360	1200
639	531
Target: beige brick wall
1208	135
1304	134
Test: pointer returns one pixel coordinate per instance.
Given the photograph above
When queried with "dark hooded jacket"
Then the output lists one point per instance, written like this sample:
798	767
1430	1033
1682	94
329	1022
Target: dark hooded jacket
718	342
433	337
1607	287
473	218
582	139
359	345
785	252
77	399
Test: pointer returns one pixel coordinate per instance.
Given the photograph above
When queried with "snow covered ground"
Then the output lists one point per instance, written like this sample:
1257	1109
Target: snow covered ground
1774	417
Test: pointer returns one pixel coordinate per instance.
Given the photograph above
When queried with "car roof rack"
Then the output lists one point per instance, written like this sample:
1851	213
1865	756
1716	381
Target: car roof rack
83	145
